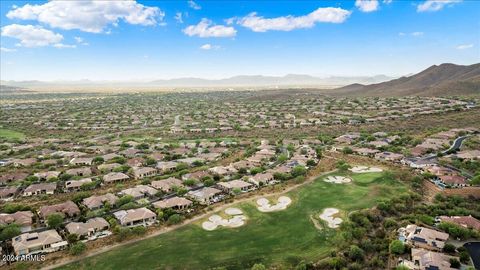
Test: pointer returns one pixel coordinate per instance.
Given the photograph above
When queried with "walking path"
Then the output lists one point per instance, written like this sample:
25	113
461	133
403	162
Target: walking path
174	227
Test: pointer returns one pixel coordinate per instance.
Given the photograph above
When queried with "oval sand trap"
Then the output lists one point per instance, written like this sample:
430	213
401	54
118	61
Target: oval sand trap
328	214
365	169
265	206
215	220
337	179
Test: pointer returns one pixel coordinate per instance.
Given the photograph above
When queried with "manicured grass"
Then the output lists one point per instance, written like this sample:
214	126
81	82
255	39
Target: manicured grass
278	238
11	134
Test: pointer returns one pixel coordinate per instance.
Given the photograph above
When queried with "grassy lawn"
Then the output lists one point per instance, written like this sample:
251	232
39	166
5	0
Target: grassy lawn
11	134
281	238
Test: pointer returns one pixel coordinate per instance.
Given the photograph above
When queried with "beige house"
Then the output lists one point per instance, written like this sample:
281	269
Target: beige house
175	203
38	242
140	191
96	202
79	161
261	179
89	229
22	218
206	195
75	185
136	217
114	177
47	175
166	166
422	237
228	187
142	172
167	185
85	171
423	259
67	209
40	188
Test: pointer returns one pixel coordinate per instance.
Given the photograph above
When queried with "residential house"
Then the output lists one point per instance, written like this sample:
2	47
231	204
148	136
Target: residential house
66	209
39	188
423	259
47	175
12	177
422	237
230	186
389	156
136	217
142	172
261	179
80	161
140	192
7	193
38	242
463	221
167	185
24	219
114	177
108	167
91	229
166	166
206	195
85	172
175	203
75	185
95	202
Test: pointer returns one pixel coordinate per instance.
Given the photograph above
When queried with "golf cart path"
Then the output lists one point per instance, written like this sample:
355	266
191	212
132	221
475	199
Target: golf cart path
189	221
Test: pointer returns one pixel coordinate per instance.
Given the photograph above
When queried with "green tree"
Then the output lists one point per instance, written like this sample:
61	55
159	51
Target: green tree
9	231
258	266
54	221
175	219
396	247
78	248
298	171
355	253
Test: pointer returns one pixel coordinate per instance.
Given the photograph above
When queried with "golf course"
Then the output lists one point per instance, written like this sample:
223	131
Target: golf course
281	238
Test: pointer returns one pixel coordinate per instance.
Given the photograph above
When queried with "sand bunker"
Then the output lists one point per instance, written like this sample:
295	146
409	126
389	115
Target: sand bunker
337	179
215	220
365	169
265	206
328	214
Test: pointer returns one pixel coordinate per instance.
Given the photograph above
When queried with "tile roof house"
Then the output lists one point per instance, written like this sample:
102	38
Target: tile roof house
175	203
140	191
453	180
166	166
22	218
425	238
261	179
67	209
89	228
12	177
98	201
136	217
142	172
85	171
47	175
114	177
108	167
429	260
7	193
229	186
75	185
80	161
464	221
40	188
205	195
167	185
33	243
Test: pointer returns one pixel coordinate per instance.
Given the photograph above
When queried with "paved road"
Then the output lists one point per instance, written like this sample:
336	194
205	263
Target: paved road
456	144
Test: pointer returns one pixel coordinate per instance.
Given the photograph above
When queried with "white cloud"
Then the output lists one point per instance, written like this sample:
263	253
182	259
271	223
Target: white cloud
209	47
88	16
31	36
366	5
401	34
387	1
64	46
417	34
178	17
80	41
288	23
435	5
194	5
3	49
205	29
464	46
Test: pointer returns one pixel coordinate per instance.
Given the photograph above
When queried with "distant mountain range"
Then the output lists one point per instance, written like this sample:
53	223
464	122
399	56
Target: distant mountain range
445	79
236	81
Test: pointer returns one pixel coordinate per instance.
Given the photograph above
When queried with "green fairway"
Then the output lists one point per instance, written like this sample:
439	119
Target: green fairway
11	134
280	238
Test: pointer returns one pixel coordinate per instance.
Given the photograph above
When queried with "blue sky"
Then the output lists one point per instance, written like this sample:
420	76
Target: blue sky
146	40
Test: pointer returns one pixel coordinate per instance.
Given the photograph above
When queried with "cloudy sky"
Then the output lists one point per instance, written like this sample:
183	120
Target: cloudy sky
142	40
